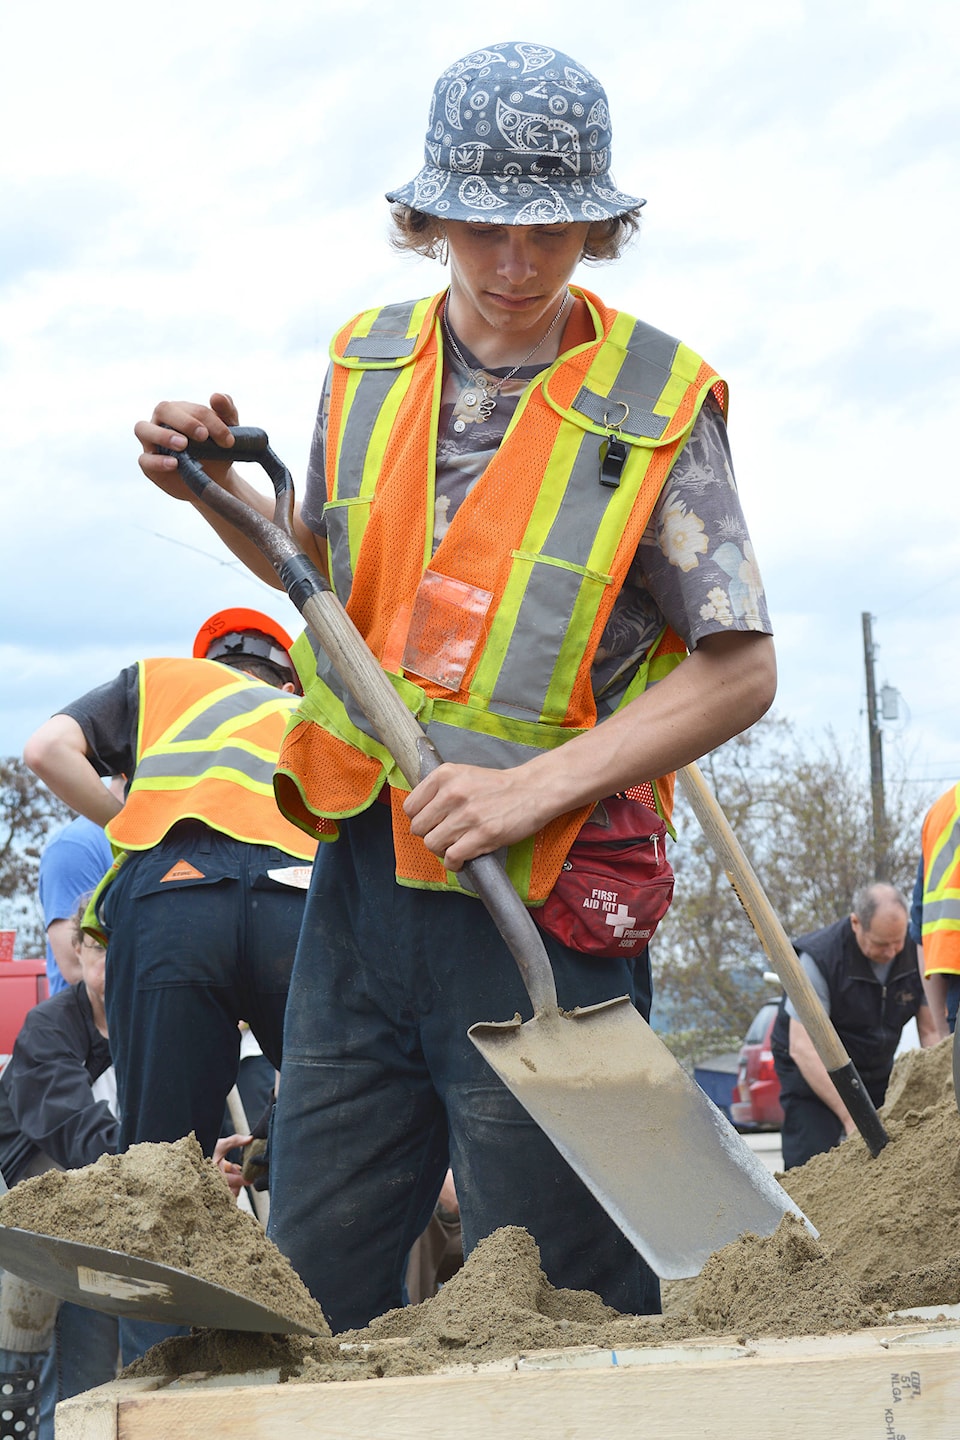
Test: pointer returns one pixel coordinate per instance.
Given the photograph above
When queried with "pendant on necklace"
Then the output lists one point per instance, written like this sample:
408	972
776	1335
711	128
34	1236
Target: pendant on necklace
480	402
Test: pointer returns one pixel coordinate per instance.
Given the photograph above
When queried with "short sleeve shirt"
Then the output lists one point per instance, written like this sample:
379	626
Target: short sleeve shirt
71	866
695	567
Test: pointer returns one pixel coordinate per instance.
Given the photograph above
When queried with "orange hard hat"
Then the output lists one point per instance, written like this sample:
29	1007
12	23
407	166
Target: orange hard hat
240	631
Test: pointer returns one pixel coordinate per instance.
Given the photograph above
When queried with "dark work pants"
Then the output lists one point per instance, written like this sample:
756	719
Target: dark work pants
953	1001
186	960
810	1127
381	1087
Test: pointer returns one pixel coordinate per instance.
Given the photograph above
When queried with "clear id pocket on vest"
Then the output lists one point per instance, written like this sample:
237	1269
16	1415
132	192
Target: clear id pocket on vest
445	626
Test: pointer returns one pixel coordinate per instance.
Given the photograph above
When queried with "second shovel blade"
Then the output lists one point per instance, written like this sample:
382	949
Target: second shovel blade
122	1284
657	1154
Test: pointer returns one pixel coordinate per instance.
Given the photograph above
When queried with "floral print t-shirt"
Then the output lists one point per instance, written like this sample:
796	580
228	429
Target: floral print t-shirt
694	569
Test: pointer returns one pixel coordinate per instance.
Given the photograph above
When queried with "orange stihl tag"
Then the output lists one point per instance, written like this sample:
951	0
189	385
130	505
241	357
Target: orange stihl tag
183	870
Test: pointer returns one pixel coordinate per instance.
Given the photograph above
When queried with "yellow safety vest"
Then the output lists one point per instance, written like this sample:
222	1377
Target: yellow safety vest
489	639
941	886
207	743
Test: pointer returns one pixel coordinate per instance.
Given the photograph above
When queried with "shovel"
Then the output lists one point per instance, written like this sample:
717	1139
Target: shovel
122	1284
647	1142
783	958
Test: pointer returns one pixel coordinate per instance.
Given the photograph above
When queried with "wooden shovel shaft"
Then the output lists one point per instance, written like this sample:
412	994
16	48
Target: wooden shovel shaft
368	683
783	957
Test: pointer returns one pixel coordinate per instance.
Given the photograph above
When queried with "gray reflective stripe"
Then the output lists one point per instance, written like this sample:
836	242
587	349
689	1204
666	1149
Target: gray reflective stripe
331	678
453	741
608	410
470	747
388	338
387	341
551	592
341	571
946	858
647	364
547	607
372	347
935	911
229	707
372	390
191	763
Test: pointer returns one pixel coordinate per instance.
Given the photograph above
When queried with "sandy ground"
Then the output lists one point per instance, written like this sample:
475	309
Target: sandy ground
889	1238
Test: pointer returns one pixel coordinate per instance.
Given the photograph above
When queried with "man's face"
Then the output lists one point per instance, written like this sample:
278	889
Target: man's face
886	935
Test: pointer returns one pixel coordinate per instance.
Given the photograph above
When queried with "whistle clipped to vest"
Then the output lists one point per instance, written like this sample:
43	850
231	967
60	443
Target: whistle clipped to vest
613	457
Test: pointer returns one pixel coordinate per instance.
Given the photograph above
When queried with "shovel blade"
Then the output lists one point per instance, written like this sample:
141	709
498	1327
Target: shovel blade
662	1160
122	1284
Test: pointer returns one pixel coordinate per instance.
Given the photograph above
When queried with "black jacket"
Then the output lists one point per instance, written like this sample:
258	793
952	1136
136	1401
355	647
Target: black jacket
46	1102
867	1015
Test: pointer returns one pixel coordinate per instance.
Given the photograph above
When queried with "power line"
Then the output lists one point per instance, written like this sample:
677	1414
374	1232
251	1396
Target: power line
920	595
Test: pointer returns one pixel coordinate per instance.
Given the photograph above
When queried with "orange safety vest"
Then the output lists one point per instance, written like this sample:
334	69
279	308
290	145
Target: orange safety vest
491	638
941	885
207	743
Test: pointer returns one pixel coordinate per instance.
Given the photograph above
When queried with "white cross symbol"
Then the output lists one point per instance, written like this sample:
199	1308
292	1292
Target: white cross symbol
621	920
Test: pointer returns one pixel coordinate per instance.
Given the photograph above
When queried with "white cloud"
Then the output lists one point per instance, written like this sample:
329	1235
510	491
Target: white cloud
194	200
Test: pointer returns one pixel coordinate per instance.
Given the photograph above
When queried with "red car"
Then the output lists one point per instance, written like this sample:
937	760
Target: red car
756	1095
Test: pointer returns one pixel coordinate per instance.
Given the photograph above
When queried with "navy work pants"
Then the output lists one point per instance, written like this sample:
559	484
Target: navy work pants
809	1127
187	958
381	1087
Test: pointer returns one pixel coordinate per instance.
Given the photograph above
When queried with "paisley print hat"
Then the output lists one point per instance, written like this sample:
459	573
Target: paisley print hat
517	135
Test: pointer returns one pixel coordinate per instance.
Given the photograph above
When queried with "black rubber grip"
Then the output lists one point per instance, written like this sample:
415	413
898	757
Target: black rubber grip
247	440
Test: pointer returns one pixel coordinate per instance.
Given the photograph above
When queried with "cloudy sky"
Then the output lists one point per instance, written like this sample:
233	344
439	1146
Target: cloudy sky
191	199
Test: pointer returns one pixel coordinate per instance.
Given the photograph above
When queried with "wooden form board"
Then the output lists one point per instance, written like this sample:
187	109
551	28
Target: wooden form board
889	1384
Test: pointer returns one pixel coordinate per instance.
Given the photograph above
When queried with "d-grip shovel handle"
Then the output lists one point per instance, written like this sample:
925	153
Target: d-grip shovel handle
398	729
783	958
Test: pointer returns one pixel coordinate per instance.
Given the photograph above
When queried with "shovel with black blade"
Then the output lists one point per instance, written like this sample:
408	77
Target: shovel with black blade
658	1155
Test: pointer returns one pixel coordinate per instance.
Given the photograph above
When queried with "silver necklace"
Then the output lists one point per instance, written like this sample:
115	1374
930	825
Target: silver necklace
484	389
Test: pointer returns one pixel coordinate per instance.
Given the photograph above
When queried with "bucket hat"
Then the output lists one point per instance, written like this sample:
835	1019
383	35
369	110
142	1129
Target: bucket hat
518	134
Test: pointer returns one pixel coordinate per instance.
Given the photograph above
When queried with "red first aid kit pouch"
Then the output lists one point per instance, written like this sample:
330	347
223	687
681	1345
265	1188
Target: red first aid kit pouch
616	883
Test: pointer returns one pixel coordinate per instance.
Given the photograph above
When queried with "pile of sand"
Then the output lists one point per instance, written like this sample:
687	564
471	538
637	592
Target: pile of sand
168	1204
890	1237
892	1222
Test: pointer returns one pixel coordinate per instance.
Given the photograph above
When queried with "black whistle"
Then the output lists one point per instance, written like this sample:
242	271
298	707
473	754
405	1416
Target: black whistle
613	457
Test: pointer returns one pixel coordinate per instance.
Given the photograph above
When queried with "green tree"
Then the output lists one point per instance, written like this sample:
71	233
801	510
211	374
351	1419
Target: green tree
29	815
801	810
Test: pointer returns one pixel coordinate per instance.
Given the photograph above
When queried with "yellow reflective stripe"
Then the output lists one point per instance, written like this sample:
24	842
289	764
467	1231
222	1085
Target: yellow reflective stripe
546	506
945	853
376	429
188	717
158	765
605	369
217	772
323	706
590	574
596	575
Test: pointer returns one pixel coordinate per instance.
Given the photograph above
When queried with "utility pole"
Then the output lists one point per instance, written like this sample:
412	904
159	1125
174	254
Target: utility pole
881	868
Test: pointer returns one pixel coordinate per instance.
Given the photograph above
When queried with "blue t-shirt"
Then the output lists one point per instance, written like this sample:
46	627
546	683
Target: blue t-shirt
73	864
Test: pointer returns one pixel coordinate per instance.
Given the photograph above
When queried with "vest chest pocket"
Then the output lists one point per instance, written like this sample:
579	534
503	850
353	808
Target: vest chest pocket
445	627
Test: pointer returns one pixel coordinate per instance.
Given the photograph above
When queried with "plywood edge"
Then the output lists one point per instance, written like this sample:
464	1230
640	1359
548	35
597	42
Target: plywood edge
894	1381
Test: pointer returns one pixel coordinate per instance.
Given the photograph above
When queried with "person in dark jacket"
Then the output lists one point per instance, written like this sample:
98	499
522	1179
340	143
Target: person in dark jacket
864	969
58	1110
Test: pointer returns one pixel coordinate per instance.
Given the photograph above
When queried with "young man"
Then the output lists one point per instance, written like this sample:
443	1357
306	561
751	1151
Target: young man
524	499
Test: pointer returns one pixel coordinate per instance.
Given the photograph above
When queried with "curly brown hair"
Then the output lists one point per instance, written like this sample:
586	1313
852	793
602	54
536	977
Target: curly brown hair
423	234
